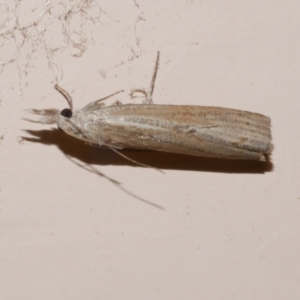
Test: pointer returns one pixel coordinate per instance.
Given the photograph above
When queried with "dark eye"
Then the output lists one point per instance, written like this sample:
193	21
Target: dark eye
67	113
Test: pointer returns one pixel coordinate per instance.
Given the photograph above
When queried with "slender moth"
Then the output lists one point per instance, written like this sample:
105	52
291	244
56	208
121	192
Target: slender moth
192	130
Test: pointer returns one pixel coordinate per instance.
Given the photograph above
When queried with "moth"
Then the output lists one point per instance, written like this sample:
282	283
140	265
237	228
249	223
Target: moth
192	130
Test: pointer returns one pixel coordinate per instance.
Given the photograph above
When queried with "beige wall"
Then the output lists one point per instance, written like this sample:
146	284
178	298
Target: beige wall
77	222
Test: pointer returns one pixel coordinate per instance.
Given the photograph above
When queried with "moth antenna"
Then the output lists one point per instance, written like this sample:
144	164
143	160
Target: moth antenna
65	94
132	160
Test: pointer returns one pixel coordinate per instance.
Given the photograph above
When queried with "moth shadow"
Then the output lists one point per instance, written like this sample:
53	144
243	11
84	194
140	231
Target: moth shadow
101	156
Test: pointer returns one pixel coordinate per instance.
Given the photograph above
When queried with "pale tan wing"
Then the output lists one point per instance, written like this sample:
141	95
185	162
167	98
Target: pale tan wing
192	130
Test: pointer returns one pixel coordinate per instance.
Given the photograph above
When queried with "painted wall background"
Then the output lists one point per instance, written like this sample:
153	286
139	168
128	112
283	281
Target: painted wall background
78	222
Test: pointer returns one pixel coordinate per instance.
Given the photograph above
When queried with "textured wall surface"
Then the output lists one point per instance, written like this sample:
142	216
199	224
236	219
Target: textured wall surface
78	222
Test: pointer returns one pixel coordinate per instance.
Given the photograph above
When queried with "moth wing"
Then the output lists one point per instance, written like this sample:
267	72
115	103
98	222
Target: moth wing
193	130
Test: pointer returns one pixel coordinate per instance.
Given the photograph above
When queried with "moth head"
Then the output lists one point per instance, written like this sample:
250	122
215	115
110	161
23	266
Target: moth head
65	119
68	122
52	116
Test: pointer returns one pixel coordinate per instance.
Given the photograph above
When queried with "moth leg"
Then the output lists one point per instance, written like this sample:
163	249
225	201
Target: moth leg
148	94
114	149
102	99
88	106
143	92
148	99
117	102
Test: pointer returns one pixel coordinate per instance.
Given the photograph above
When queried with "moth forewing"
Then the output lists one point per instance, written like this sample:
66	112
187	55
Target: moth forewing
192	130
